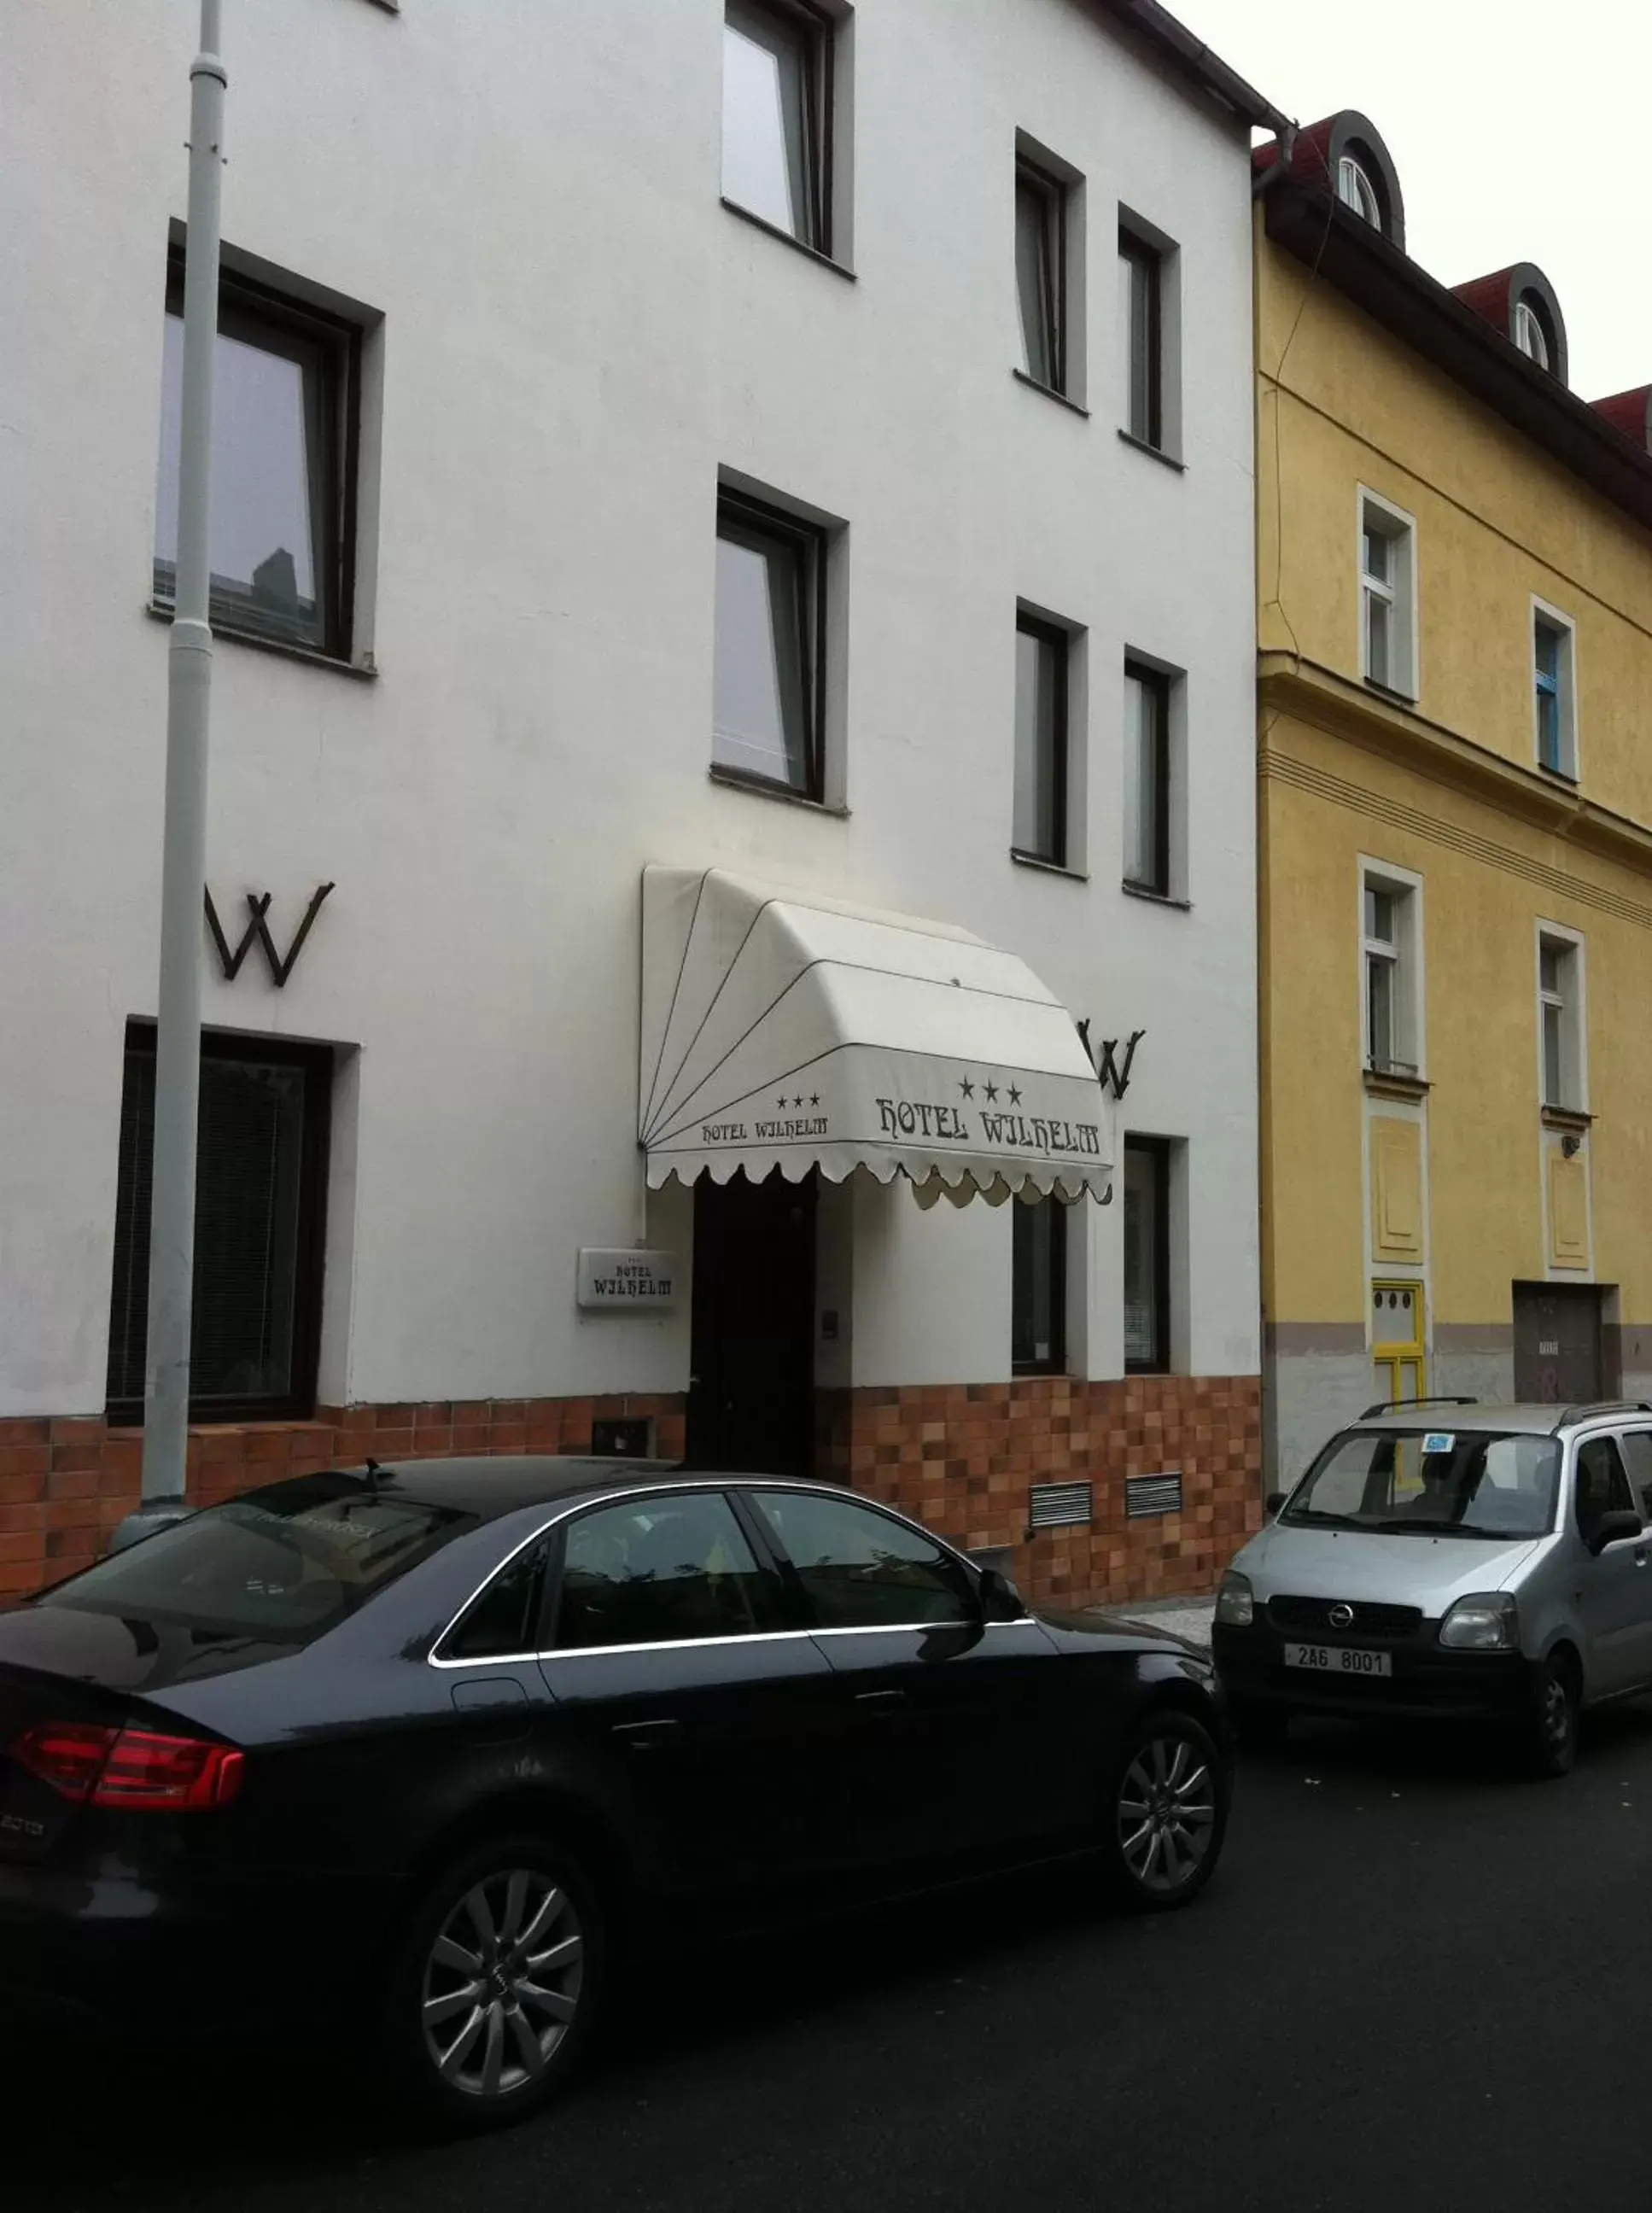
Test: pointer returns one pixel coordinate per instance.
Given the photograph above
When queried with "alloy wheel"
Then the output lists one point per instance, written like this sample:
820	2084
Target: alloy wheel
502	1983
1167	1813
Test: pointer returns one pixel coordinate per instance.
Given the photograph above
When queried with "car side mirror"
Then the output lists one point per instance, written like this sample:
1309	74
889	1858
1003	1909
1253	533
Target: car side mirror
1274	1500
1612	1528
1000	1600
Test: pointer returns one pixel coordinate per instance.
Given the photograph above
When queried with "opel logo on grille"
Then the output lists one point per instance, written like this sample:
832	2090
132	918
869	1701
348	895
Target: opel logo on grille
1341	1617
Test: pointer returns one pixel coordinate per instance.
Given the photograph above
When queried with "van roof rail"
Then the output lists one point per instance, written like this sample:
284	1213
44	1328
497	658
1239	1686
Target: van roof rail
1589	1407
1388	1405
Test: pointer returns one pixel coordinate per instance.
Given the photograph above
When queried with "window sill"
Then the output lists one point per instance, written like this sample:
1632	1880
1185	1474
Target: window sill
228	1417
1393	1083
1047	867
1021	1369
1073	406
1154	454
1389	691
759	787
1156	899
797	245
1572	1118
364	671
1566	776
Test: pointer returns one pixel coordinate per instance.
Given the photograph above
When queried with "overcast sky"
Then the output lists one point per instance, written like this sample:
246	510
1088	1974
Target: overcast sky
1521	130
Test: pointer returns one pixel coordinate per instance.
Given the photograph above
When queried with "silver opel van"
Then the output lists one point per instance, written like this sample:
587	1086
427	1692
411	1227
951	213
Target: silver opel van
1446	1558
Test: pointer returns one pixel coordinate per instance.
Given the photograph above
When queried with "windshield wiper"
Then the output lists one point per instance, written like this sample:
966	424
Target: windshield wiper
1404	1525
1322	1519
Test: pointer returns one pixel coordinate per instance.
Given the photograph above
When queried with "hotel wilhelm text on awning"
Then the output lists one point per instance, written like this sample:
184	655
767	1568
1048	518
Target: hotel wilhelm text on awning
785	1029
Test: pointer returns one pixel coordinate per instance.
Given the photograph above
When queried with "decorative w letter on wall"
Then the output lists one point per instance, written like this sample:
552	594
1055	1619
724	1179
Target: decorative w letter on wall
257	932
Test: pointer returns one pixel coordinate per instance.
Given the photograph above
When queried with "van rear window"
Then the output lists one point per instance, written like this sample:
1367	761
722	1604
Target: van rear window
287	1564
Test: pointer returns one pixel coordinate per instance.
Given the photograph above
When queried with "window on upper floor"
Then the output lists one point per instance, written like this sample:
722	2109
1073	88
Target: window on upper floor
777	116
1149	1163
1387	597
1553	694
1043	688
1535	332
260	1208
1560	1020
1392	960
768	680
1356	190
1039	1289
1149	785
1141	317
1041	274
286	413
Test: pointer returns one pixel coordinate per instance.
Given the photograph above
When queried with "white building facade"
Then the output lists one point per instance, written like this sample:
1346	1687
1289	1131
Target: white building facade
792	447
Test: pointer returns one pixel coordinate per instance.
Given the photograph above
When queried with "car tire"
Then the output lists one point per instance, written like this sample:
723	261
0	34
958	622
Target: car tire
1258	1727
494	1987
1166	1813
1550	1748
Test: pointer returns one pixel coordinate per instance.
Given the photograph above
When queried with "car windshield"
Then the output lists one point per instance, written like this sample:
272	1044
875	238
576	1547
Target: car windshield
1466	1483
285	1564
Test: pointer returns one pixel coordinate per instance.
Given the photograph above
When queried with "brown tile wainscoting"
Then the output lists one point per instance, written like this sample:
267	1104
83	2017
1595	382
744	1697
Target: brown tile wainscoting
961	1457
65	1483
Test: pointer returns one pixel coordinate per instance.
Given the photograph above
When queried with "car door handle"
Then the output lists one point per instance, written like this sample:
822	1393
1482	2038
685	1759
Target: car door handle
1640	1555
645	1736
879	1700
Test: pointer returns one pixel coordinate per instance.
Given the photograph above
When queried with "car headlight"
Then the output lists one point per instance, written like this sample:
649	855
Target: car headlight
1236	1603
1485	1621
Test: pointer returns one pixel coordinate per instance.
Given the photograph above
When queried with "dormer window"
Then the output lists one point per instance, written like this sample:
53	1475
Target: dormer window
1355	190
1529	335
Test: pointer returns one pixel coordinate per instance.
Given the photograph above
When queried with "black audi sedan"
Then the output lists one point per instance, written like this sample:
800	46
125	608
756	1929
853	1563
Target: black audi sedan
429	1750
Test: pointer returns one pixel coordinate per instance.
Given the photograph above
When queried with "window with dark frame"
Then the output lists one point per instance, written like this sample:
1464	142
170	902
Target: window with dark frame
1039	827
1140	285
777	116
1038	1333
1147	778
1041	274
260	1223
769	674
285	414
1147	1255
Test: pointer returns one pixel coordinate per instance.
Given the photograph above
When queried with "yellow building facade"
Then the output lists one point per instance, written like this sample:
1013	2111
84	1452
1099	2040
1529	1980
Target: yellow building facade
1454	564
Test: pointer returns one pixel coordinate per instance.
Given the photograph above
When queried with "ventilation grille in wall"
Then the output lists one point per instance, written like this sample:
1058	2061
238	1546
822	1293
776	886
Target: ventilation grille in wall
1055	1505
1153	1494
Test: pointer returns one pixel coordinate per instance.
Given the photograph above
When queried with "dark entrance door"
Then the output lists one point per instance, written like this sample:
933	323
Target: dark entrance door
1558	1344
751	1399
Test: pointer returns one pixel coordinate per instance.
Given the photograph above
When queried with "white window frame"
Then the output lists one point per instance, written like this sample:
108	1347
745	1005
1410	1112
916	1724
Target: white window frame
1543	613
1529	335
1357	192
1400	594
1573	1001
1405	950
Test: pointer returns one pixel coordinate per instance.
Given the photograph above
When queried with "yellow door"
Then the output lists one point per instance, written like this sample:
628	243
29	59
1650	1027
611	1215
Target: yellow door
1397	1370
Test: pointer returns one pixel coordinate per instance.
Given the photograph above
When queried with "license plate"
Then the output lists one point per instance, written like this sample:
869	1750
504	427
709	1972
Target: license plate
1337	1660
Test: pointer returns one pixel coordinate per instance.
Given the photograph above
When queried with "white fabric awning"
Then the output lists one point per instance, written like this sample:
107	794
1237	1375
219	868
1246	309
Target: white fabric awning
783	1029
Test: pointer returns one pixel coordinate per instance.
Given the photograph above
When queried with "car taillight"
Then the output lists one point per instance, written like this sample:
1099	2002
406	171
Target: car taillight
68	1755
132	1769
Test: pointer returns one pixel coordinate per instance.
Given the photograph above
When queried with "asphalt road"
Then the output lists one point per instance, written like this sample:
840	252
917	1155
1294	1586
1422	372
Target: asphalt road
1416	1983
